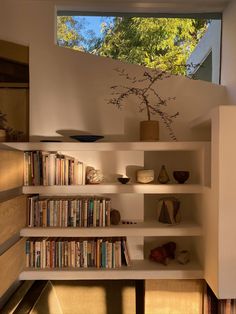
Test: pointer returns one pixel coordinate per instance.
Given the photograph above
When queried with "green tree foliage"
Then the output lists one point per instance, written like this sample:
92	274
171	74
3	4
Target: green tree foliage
69	33
164	43
72	33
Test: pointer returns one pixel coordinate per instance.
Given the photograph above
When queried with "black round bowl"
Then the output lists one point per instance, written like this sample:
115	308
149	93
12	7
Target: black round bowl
87	138
123	180
181	176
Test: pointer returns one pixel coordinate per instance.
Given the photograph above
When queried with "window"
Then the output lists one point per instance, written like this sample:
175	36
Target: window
165	43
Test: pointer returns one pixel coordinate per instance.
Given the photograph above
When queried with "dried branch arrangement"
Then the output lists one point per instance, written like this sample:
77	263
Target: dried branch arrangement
146	91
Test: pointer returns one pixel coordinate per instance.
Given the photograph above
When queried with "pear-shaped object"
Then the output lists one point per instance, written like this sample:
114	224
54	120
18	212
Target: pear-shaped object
163	175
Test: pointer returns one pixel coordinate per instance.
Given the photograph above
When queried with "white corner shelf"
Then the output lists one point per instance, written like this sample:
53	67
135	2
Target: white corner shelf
114	188
146	229
139	270
105	146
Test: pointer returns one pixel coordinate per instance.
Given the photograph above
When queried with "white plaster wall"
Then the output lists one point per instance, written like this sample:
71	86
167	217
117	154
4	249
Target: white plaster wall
228	77
74	95
227	182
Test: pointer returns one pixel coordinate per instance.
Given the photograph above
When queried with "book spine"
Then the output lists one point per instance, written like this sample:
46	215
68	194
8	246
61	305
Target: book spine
37	254
52	169
27	252
85	253
26	168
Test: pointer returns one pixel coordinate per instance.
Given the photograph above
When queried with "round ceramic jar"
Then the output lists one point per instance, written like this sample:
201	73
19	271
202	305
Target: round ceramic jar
145	176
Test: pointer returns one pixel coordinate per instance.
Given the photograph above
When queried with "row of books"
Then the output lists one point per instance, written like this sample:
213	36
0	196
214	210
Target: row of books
77	253
73	212
49	168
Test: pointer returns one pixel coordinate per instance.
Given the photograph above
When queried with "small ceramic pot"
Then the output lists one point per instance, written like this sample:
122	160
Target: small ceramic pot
115	217
183	257
145	176
181	176
123	180
149	130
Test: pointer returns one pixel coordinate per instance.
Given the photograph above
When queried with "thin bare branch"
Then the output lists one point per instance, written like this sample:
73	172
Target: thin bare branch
145	95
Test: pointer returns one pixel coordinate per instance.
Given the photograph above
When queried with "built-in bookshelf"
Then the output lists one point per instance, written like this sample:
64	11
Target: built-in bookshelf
207	199
51	253
136	202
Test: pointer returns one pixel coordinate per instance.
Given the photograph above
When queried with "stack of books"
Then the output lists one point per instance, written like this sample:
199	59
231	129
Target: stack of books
49	168
69	212
107	253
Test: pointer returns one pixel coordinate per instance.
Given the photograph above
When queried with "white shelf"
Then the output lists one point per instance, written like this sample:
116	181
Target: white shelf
104	146
142	269
145	229
114	188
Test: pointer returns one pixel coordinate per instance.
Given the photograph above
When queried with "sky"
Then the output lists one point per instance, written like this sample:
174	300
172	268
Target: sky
93	23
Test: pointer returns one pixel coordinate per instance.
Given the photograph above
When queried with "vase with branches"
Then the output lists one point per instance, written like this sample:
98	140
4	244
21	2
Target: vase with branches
149	100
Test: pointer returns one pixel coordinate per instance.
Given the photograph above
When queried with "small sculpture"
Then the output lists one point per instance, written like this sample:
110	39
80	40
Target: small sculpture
162	254
183	257
168	210
163	177
94	176
145	176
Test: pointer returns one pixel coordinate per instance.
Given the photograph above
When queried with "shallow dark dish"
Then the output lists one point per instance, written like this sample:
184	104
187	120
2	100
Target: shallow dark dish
181	176
50	141
123	180
87	138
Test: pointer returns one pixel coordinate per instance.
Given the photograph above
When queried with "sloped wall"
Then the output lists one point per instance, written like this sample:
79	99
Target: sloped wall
69	90
77	86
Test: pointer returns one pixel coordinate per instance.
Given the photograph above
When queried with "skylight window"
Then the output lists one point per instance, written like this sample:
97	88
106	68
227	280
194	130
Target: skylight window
164	43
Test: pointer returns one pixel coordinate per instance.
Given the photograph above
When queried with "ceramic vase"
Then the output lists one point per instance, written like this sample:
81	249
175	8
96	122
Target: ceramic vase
163	176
